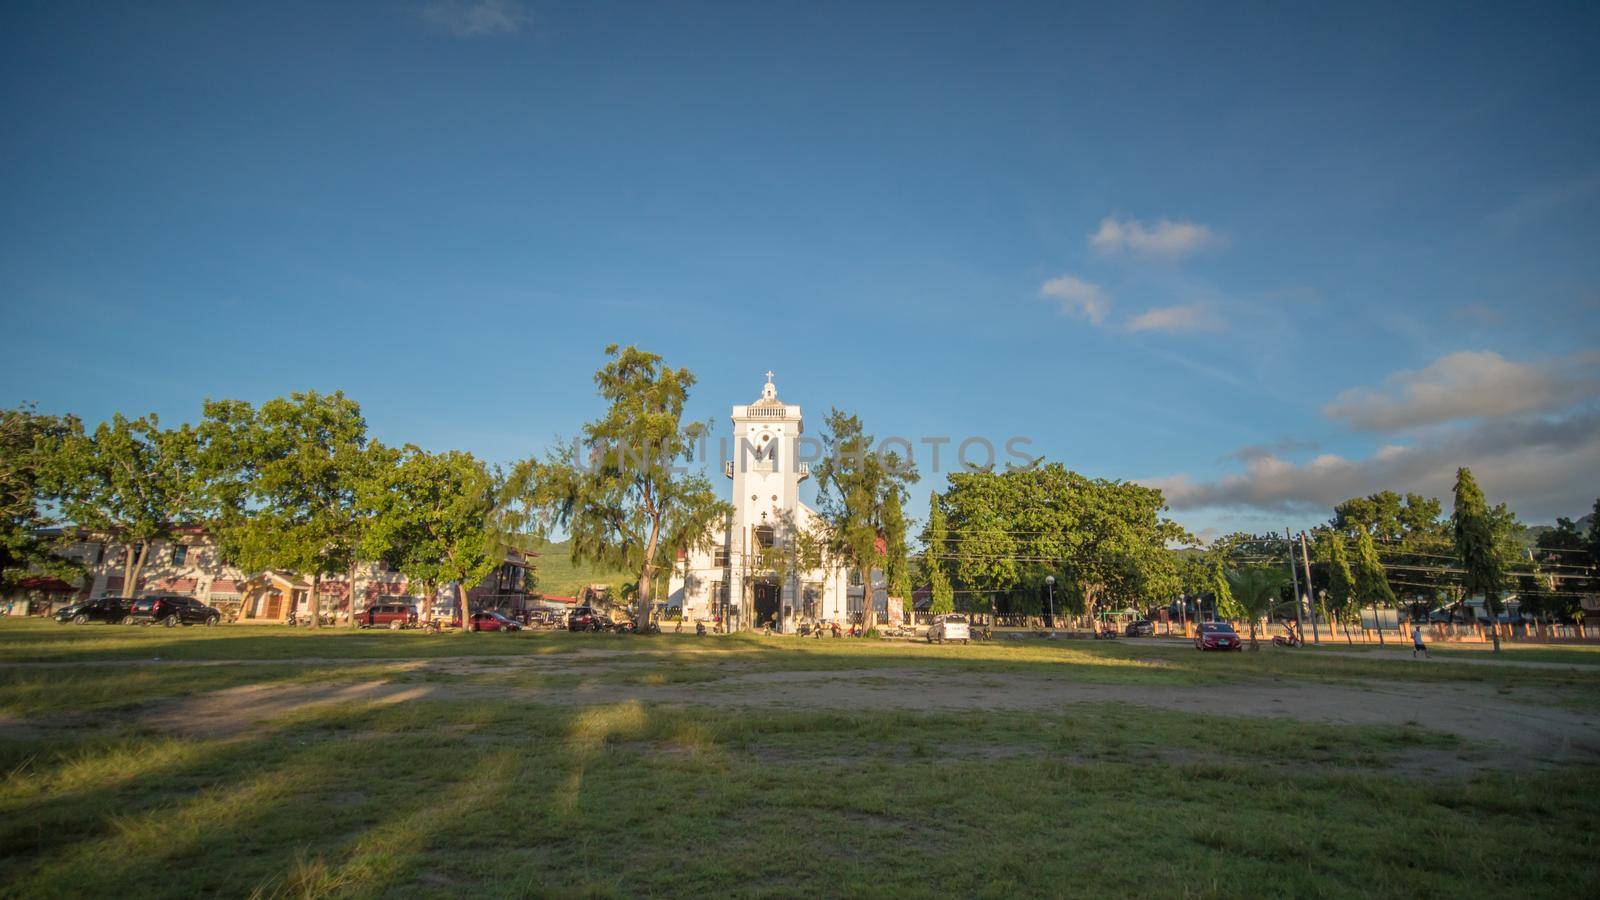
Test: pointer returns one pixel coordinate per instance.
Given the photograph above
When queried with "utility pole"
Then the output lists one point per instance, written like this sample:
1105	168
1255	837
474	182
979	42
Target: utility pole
1294	579
1305	558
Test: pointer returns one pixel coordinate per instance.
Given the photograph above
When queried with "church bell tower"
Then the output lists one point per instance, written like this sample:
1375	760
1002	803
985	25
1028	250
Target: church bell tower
766	476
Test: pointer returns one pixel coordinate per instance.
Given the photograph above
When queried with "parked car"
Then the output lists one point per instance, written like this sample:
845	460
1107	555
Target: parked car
493	620
171	611
952	627
487	620
104	609
393	616
587	618
1216	636
1140	628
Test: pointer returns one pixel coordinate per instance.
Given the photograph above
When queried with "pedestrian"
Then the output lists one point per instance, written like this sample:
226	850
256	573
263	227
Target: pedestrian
1416	642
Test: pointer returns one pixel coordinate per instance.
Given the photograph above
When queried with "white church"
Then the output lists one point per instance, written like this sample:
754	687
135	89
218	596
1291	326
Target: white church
730	584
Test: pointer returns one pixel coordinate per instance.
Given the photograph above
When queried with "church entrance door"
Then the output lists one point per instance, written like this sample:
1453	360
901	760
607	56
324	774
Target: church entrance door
766	605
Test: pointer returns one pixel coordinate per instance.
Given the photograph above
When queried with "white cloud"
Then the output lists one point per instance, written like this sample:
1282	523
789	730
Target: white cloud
1078	298
477	18
1174	319
1541	468
1165	239
1465	385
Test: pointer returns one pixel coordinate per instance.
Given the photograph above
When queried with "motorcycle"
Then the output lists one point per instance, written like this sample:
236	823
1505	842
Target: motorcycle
1289	640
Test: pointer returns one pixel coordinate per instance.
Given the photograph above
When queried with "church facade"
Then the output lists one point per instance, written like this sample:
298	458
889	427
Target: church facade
747	578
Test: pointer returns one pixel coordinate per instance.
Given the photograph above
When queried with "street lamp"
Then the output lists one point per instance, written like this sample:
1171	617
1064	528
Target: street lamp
1050	589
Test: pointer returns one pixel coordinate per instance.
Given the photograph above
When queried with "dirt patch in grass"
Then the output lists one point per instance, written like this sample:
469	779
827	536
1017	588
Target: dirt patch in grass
234	711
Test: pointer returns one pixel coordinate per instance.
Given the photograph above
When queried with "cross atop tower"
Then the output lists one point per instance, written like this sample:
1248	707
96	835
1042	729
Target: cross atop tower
769	376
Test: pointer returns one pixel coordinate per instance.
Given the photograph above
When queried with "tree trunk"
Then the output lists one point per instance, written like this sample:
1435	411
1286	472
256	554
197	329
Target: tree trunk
1347	638
869	609
127	571
1377	623
132	568
466	611
351	598
644	600
315	601
1254	646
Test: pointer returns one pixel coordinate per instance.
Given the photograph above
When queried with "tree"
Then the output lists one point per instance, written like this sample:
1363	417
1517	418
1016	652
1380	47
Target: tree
27	439
854	483
286	483
1555	573
1223	602
1341	582
623	497
1480	543
1371	581
433	521
1256	589
1594	537
897	567
132	480
935	544
1410	532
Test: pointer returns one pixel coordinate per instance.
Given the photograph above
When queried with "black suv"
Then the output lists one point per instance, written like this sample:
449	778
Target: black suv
104	609
172	611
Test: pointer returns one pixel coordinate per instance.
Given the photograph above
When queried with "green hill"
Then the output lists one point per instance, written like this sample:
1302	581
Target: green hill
559	575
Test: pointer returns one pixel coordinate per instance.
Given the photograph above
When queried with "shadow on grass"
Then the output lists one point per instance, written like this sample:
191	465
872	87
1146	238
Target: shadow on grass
508	798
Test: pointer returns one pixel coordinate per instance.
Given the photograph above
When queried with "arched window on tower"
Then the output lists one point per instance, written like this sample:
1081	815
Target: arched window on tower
764	537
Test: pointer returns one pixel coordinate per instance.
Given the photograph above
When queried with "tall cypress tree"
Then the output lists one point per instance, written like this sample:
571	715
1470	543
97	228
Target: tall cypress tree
896	568
1372	582
1480	548
932	559
1341	582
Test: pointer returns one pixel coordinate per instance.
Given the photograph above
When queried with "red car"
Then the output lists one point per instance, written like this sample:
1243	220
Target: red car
488	620
1216	636
388	615
586	618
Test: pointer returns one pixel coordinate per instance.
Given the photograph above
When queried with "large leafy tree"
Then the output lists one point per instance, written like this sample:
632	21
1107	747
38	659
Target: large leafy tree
1409	533
1107	542
854	486
935	544
1555	573
287	482
27	439
1481	544
623	495
132	480
434	521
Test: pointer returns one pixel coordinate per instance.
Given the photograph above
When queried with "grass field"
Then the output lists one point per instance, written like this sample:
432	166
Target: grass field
275	762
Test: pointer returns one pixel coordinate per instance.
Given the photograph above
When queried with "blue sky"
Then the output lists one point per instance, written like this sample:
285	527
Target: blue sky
1266	257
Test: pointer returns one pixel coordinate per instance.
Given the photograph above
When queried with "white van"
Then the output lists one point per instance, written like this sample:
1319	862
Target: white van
952	627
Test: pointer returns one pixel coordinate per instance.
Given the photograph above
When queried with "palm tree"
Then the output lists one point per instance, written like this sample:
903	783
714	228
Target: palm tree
1255	591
